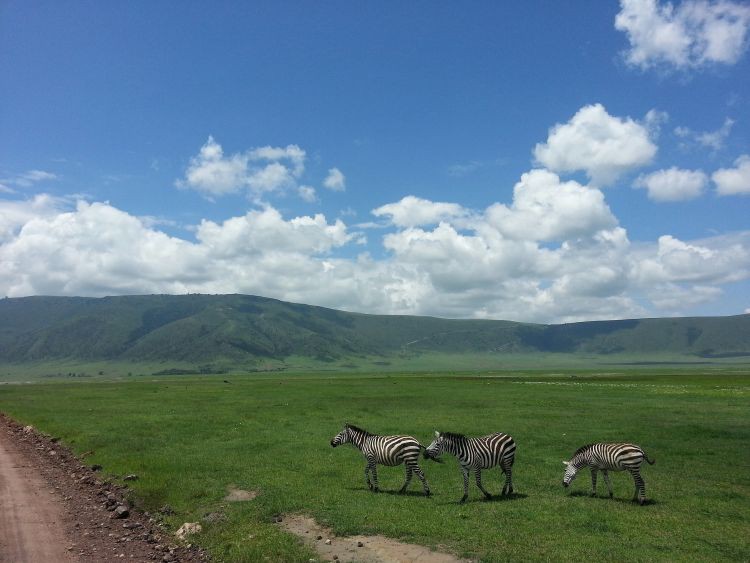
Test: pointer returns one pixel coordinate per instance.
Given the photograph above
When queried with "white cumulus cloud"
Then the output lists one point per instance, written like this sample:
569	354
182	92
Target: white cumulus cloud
335	180
673	184
266	231
603	146
720	259
292	153
544	208
212	173
14	214
463	266
308	194
95	249
413	211
734	181
258	171
691	34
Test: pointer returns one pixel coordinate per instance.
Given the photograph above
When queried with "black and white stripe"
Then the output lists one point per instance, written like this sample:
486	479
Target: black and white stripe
475	454
384	450
609	457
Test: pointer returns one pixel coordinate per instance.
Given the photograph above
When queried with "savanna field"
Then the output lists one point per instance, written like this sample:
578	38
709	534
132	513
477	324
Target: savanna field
190	438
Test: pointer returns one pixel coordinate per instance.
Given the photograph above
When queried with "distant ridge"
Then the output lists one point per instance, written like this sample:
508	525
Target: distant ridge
244	328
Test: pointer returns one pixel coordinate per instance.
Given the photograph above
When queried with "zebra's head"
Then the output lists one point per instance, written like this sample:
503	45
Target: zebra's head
342	437
435	449
570	473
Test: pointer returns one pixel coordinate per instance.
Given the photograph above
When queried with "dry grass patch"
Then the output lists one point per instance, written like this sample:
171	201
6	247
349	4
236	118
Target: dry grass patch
364	549
238	495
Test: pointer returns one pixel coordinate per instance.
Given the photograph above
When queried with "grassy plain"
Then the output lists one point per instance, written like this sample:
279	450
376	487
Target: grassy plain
417	363
189	438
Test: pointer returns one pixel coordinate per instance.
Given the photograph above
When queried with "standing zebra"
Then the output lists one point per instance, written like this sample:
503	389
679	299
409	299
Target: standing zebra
385	450
615	457
477	454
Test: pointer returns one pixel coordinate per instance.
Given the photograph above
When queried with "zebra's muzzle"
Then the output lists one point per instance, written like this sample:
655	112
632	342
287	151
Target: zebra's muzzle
428	455
333	444
565	484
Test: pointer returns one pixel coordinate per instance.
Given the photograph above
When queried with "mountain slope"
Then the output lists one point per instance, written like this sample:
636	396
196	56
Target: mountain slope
205	328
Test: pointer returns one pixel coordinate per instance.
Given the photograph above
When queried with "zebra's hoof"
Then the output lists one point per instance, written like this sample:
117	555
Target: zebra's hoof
462	501
642	501
401	491
611	495
487	497
427	494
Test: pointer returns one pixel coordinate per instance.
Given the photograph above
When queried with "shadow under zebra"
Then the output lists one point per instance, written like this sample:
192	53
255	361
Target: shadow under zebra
621	500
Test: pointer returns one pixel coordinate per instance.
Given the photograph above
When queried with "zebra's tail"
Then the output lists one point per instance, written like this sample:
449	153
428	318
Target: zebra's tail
650	461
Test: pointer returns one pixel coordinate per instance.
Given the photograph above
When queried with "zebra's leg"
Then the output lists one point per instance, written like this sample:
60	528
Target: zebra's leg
465	471
367	475
609	484
640	486
420	474
508	487
593	481
478	475
374	471
409	470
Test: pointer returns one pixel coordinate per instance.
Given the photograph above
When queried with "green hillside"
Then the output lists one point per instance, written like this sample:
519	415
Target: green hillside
242	328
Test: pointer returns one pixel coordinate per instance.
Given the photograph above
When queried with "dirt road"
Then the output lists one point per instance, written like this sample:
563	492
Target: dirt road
31	517
55	508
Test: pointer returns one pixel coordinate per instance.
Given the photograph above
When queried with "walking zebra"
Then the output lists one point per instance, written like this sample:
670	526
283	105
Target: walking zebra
384	450
614	457
477	454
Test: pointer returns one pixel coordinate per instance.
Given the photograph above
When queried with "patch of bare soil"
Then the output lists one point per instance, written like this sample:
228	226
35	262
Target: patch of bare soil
55	508
238	495
362	549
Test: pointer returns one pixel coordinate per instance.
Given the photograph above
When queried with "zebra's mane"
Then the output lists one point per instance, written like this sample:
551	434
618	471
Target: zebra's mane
453	436
359	430
581	449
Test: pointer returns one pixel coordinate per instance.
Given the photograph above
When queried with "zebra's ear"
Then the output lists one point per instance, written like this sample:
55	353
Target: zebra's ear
566	463
437	434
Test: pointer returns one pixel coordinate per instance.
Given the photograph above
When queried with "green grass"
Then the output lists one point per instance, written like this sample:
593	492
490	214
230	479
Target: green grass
427	362
189	438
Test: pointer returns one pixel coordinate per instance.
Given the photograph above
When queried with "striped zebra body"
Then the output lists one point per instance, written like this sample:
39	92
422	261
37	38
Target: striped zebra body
605	458
475	454
384	450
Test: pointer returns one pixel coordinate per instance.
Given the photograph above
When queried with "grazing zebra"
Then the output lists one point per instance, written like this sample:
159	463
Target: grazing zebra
614	457
385	450
477	454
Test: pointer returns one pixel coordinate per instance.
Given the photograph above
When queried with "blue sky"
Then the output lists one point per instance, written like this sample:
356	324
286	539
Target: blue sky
533	161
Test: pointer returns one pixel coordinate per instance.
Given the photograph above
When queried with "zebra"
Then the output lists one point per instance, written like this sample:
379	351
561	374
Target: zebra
475	454
384	450
614	457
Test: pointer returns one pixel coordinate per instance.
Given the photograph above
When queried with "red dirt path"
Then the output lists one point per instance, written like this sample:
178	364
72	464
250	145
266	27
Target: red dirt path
53	508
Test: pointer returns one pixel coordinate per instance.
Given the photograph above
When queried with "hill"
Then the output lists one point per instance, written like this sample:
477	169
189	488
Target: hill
246	329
